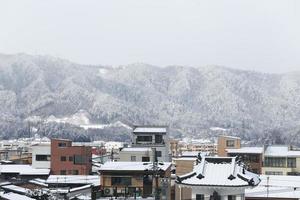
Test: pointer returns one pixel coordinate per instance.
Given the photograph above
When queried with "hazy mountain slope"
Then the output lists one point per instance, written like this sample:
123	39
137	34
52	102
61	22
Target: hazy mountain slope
186	98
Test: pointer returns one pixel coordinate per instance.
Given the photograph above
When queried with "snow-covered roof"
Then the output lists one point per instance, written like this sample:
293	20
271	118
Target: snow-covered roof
249	150
277	151
23	170
136	149
14	196
150	129
74	179
190	154
15	188
276	187
219	172
132	166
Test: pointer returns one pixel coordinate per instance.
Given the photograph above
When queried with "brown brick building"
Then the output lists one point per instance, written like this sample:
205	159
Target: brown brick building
70	160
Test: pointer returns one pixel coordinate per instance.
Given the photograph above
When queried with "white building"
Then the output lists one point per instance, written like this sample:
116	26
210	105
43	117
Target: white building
136	154
153	137
217	178
41	156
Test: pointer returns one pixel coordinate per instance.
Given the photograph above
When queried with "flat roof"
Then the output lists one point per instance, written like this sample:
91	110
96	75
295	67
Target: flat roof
250	150
22	170
136	149
74	179
150	129
277	151
132	166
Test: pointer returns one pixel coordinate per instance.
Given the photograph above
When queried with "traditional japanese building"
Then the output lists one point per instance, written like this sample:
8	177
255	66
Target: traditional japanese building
217	178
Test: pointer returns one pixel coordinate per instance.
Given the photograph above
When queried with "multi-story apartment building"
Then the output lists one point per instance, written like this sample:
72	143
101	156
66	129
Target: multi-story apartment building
281	160
153	137
70	160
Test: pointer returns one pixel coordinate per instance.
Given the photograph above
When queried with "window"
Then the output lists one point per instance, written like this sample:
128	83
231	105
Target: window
75	172
71	158
63	158
145	159
144	138
199	196
42	157
63	172
133	158
158	154
158	139
231	197
79	160
62	144
120	180
275	162
291	162
273	173
229	143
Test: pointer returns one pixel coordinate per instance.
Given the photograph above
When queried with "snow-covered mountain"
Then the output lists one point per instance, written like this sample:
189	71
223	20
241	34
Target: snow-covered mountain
189	99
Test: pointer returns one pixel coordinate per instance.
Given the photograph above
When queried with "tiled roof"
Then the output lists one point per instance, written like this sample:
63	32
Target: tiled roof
220	172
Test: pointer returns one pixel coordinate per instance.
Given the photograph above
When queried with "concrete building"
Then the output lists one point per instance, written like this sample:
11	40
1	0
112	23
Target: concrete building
70	160
281	160
227	142
41	155
251	156
217	178
153	137
136	154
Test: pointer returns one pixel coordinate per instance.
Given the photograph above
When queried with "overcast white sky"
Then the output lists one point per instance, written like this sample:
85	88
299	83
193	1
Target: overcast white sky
259	35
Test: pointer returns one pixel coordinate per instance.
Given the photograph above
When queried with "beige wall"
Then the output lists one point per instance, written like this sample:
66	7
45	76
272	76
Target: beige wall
222	141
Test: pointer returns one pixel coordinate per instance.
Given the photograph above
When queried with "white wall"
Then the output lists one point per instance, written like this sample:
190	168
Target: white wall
40	150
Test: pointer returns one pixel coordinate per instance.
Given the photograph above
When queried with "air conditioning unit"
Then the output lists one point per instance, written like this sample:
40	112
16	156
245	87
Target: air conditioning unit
108	191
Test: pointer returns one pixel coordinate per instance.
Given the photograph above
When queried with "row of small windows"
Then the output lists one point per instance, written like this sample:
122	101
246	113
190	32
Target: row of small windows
280	162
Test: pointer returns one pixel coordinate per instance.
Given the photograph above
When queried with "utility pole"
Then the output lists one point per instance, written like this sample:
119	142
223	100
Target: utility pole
155	170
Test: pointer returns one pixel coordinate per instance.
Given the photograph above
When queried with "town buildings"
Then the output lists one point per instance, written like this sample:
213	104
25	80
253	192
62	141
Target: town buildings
41	155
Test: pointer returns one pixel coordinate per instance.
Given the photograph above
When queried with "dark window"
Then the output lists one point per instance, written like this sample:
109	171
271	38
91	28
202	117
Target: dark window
231	197
158	153
62	144
120	180
291	162
42	157
75	172
158	139
133	158
199	196
144	138
71	158
63	172
229	143
145	159
79	160
275	162
63	158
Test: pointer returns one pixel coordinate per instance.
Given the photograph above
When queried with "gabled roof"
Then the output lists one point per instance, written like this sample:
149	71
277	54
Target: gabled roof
74	179
14	196
219	172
